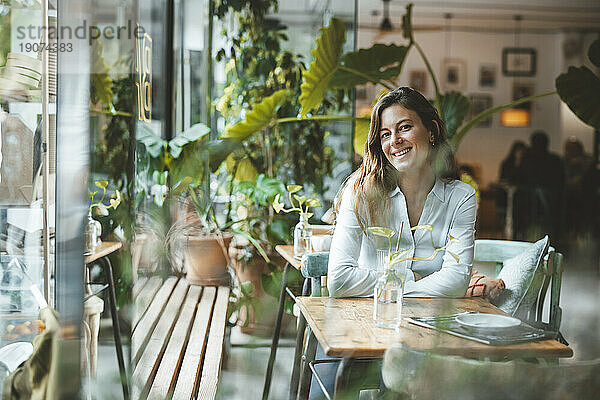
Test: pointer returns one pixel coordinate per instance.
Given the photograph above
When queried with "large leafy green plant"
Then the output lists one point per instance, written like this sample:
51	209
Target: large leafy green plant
579	88
259	68
379	64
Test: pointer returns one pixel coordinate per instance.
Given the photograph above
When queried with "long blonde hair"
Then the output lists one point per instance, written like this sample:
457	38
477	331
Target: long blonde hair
376	178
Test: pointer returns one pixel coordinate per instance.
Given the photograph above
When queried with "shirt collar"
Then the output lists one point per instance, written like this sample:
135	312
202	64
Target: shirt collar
438	190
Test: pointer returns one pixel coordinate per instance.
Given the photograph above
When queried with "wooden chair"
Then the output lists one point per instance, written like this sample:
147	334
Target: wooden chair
421	375
499	251
314	268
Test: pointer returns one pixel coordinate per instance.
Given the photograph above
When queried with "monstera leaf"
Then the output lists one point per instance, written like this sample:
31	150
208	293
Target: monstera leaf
455	107
325	63
258	118
152	142
361	133
379	62
191	134
579	88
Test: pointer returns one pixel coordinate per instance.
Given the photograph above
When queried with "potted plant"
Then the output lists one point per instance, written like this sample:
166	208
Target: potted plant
93	229
302	230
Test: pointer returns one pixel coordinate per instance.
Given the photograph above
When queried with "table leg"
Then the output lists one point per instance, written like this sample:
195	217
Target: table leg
309	356
299	346
116	329
342	378
276	333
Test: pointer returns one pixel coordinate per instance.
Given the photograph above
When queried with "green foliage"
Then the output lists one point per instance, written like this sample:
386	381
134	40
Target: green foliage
594	53
455	107
157	159
4	38
378	63
261	116
579	88
263	191
305	201
258	68
100	82
113	157
361	133
325	63
271	283
195	132
407	23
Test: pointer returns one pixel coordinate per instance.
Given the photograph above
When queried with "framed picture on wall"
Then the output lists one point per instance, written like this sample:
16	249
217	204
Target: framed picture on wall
520	90
479	103
417	79
487	76
454	74
517	61
361	93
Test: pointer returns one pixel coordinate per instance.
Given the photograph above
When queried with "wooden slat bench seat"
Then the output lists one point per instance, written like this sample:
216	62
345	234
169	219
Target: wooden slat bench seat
177	339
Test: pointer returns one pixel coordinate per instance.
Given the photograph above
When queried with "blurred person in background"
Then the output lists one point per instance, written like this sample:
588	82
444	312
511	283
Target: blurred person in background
543	179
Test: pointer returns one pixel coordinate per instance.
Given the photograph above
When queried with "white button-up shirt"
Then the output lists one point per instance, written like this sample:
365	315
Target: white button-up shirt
450	208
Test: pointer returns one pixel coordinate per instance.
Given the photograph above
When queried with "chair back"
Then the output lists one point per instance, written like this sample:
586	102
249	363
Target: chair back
314	266
498	251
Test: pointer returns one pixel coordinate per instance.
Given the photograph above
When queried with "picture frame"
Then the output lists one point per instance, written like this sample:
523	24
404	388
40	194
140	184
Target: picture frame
454	74
487	76
417	79
361	93
520	90
519	61
479	103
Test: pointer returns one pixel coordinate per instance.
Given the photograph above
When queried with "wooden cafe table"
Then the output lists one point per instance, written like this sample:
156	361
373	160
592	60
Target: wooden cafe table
345	328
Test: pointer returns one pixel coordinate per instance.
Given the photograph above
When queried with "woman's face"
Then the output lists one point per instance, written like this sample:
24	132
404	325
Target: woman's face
404	138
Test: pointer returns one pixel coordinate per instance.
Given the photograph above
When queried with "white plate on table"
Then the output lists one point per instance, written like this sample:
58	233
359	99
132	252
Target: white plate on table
487	321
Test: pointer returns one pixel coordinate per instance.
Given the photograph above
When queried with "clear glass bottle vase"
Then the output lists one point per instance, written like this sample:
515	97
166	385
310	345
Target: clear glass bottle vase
387	296
302	237
93	230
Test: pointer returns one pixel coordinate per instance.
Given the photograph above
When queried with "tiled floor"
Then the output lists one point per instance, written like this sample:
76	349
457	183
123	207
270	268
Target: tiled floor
243	372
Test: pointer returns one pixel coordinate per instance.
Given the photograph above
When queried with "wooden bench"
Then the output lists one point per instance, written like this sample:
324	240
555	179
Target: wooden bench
177	339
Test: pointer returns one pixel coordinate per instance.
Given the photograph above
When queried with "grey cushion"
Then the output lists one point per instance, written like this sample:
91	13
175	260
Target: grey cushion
314	265
523	279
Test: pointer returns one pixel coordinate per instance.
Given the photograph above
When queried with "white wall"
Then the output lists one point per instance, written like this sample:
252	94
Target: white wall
486	147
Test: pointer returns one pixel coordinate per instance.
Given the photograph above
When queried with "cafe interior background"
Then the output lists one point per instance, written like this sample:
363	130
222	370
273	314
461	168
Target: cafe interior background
128	117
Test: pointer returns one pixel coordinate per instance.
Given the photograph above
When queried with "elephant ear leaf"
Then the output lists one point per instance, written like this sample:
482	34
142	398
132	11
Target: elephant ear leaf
579	88
325	62
376	63
594	53
361	132
455	107
258	118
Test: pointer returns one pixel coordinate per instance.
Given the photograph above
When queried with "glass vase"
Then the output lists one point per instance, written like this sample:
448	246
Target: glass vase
92	234
387	296
302	237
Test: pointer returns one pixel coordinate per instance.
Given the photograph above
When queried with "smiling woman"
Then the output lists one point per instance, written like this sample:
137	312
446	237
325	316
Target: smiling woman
407	179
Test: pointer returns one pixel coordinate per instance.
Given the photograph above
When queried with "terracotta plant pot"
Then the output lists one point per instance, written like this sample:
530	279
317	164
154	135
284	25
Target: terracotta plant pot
260	323
205	261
